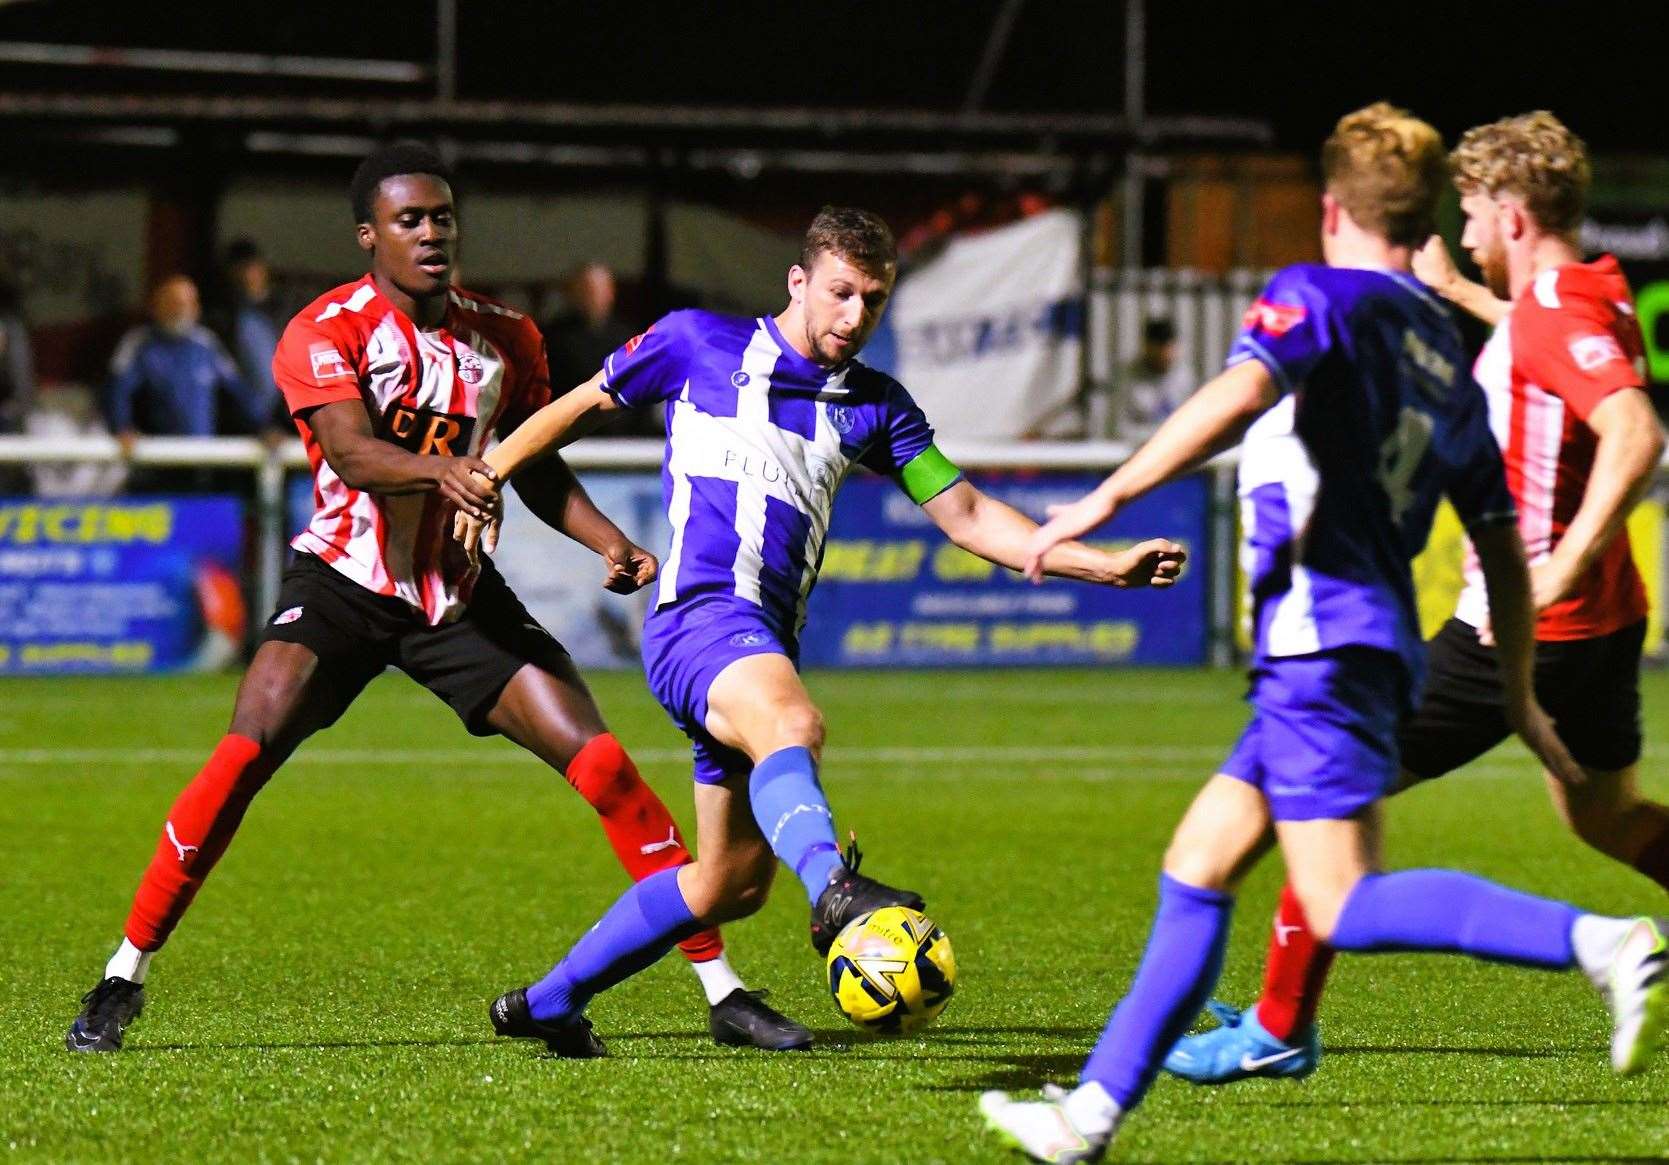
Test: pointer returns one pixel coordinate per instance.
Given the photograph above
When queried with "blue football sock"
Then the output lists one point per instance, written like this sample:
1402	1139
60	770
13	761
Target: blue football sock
1443	910
1184	956
794	815
642	925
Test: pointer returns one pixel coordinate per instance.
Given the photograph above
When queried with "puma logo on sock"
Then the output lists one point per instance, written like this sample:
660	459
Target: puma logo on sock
175	841
656	847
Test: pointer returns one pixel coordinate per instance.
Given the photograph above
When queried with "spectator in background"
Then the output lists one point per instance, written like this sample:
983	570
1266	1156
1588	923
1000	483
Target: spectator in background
249	321
1153	384
1131	407
579	339
17	361
582	337
165	375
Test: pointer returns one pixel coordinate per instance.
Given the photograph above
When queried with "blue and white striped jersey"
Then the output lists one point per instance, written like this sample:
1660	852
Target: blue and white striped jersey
1340	480
758	441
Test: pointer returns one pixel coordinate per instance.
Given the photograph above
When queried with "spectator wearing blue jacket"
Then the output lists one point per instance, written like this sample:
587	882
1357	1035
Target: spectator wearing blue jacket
166	376
249	316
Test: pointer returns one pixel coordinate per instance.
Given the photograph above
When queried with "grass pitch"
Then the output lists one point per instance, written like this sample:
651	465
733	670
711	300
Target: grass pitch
326	997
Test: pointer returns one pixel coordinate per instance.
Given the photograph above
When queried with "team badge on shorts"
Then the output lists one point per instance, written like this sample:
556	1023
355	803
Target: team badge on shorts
284	617
748	639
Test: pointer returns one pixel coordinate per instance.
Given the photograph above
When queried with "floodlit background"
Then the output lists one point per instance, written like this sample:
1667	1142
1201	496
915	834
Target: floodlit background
1087	196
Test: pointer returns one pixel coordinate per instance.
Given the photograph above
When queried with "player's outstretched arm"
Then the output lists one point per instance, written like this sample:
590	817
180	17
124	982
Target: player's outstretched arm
1434	267
1210	421
1625	458
1500	552
366	462
567	418
556	497
999	533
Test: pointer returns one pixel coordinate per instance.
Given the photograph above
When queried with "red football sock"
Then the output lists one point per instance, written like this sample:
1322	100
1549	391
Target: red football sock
1296	974
638	824
200	826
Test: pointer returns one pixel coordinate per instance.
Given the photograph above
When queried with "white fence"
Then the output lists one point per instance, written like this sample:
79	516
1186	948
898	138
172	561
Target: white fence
1205	309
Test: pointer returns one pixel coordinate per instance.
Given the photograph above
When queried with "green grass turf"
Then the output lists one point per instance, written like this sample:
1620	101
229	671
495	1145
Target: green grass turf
325	999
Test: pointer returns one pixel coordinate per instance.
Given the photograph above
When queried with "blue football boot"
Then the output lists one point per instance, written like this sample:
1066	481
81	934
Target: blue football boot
1241	1048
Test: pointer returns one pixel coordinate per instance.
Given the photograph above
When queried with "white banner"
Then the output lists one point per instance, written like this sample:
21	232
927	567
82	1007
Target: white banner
987	334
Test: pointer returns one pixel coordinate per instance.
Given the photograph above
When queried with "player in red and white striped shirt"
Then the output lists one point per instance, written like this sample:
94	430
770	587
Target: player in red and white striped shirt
1564	376
397	381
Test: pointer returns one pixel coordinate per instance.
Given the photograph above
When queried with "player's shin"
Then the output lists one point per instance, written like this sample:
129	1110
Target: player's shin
1295	974
641	926
199	827
1183	959
644	836
792	812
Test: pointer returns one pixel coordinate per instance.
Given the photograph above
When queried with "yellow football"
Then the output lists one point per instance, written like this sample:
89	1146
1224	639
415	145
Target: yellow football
892	971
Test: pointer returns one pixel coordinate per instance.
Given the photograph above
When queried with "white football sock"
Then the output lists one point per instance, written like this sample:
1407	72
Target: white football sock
717	979
129	962
1594	938
1092	1111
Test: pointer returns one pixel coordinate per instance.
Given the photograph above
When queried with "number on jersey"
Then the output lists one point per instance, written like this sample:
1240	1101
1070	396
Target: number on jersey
1400	455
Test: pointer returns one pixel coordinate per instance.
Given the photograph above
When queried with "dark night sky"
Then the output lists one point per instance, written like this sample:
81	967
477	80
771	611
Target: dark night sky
1299	64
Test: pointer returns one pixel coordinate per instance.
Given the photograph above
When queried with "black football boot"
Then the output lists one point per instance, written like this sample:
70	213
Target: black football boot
106	1011
850	895
742	1020
573	1040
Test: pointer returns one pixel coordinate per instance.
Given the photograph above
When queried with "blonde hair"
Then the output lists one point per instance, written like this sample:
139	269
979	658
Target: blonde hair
1533	155
1385	167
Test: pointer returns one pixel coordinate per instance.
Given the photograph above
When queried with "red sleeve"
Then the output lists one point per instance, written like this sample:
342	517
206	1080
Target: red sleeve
315	365
1581	351
533	379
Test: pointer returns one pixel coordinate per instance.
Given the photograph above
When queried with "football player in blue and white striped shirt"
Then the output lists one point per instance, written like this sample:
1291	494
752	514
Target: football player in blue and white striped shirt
765	418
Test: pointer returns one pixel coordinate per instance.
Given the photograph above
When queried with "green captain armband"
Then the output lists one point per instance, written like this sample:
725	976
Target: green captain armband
929	474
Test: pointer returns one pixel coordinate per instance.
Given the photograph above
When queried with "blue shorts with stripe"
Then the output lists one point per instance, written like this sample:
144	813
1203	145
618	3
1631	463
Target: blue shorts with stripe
1322	742
685	646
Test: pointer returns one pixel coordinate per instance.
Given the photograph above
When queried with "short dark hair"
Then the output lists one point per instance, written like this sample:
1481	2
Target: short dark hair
860	237
240	251
390	161
1158	330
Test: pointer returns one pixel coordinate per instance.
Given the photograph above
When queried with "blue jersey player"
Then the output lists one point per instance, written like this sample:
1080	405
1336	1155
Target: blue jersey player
1358	410
765	417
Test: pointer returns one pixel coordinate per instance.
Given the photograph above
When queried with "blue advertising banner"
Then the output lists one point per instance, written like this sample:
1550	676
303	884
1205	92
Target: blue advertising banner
895	593
123	584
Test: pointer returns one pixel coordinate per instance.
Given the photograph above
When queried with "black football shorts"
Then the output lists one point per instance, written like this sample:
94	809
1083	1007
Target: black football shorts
356	633
1590	687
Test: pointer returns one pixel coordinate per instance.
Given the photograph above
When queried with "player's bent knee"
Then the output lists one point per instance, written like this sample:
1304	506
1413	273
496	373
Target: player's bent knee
278	704
1197	867
804	723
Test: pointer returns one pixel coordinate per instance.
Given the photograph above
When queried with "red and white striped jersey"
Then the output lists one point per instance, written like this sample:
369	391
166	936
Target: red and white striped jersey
1570	341
442	391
